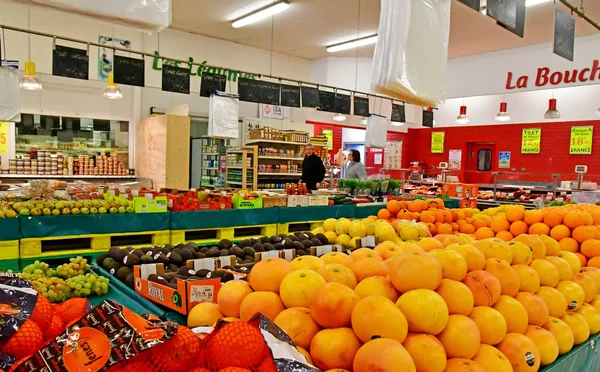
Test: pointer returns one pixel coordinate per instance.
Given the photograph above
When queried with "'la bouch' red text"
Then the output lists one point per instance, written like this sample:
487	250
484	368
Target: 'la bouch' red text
544	77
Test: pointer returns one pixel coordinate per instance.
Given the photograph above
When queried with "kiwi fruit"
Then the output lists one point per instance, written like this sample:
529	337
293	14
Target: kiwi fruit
278	246
275	239
268	247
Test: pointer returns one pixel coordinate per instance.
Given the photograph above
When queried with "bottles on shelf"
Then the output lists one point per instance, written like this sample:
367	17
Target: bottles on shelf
276	182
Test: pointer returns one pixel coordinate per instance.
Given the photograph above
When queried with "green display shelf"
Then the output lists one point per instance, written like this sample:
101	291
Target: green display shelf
582	358
304	214
10	228
223	218
366	210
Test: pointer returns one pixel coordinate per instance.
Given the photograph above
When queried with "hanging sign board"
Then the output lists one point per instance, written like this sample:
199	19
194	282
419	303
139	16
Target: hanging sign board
326	101
361	106
3	137
398	113
329	134
531	138
259	91
70	62
269	92
210	83
564	34
437	142
176	79
129	71
310	97
427	119
503	11
342	103
581	140
519	29
473	4
290	95
504	159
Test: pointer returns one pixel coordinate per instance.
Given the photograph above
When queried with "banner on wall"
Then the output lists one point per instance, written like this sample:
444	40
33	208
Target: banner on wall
454	159
437	142
504	159
329	134
531	140
581	140
3	137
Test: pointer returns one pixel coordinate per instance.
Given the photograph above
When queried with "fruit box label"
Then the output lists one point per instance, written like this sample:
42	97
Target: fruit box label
211	263
323	249
286	254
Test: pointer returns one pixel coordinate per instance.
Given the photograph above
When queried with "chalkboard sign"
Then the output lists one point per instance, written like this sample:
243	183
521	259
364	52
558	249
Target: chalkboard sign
519	29
473	4
326	101
70	62
398	113
211	83
175	79
310	97
503	11
258	91
564	34
290	95
129	71
428	119
361	106
342	103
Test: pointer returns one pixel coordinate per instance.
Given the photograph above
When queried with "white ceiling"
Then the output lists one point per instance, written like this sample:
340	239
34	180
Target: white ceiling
308	26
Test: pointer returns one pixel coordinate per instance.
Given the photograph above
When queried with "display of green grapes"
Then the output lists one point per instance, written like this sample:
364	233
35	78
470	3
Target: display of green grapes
68	280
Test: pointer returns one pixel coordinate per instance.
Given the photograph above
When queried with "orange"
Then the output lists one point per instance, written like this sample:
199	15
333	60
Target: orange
492	359
495	248
594	262
463	365
552	246
360	253
92	355
426	351
28	339
454	265
467	229
554	299
538	248
576	218
377	286
383	355
386	250
573	292
565	270
500	224
267	275
522	254
339	274
429	244
267	303
520	351
553	218
415	270
506	275
425	311
518	227
298	324
205	314
548	273
393	206
545	342
588	284
593	273
562	334
336	257
514	313
582	259
578	325
539	228
384	214
478	224
559	232
475	259
306	262
305	354
504	235
56	327
484	233
231	295
484	287
491	324
529	280
368	267
458	297
298	286
331	305
427	217
537	310
583	233
461	337
590	248
42	312
444	228
533	216
334	348
377	316
515	214
592	317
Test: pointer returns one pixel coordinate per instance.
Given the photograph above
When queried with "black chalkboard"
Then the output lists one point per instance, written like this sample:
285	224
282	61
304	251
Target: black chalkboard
211	83
473	4
326	101
310	97
269	92
503	11
564	34
398	113
361	106
519	29
342	103
258	91
70	62
129	71
290	95
175	79
428	119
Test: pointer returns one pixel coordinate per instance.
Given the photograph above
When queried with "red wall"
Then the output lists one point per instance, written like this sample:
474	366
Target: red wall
554	154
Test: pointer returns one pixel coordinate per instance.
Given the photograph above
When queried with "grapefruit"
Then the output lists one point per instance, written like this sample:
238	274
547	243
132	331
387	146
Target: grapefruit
231	295
484	287
529	280
458	296
410	271
491	324
307	262
522	353
339	274
475	259
514	314
547	272
492	359
562	334
334	348
556	301
461	337
424	310
331	305
268	274
508	278
578	325
383	355
267	303
298	324
537	310
377	316
454	265
377	286
298	286
545	342
427	352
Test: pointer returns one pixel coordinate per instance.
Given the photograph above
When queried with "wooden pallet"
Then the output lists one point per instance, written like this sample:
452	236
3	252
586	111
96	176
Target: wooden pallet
291	227
9	250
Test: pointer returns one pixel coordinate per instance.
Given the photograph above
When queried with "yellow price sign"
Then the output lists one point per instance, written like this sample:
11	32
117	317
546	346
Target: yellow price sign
581	140
531	140
437	142
329	134
3	137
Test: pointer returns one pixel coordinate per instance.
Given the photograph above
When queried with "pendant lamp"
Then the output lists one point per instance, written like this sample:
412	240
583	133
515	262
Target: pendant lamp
112	90
462	118
552	112
339	117
30	81
503	115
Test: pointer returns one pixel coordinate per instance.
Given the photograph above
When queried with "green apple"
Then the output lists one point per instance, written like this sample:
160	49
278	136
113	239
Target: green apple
36	212
75	210
94	210
25	212
66	211
112	210
46	212
102	210
121	209
129	210
56	212
85	210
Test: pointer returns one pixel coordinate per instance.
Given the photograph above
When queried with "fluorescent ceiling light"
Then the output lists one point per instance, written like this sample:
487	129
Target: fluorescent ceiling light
260	14
352	44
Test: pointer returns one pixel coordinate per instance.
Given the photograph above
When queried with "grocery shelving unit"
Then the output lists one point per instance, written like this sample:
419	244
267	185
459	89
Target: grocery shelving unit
246	160
210	165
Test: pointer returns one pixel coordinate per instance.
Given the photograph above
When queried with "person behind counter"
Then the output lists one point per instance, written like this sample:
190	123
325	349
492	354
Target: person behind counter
313	170
356	169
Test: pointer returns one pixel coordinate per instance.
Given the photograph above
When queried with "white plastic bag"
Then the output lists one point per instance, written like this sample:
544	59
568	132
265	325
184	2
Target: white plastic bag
412	51
9	95
223	118
376	136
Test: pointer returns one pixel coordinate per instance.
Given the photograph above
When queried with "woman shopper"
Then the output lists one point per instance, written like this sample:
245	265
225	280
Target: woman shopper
356	169
313	170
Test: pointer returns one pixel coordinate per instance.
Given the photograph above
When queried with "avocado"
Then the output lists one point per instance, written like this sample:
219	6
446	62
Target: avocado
278	246
310	235
198	255
235	250
288	243
138	252
146	259
227	277
248	259
239	260
225	244
120	255
165	250
147	249
255	240
258	247
224	252
107	262
202	273
213	252
114	268
131	260
322	238
298	246
301	235
161	258
192	245
283	236
185	271
157	279
268	247
217	273
172	267
301	252
244	243
275	239
168	246
175	258
249	251
293	238
179	246
315	242
129	250
112	251
100	258
129	281
123	273
306	243
265	239
204	249
186	254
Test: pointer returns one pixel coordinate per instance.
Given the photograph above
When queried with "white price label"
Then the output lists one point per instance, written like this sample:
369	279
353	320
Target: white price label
202	293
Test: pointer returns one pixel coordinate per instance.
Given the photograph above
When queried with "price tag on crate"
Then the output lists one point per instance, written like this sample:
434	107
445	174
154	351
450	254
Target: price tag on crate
202	293
368	241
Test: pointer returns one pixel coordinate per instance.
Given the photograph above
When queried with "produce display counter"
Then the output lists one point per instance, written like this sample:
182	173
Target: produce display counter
370	209
583	358
9	243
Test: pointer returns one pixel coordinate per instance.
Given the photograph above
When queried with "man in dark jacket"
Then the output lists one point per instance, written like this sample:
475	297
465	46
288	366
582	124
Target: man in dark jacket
313	170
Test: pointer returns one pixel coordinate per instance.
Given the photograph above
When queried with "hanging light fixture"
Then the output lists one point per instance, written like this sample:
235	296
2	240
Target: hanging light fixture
598	112
30	81
112	90
364	121
339	117
552	112
503	115
462	118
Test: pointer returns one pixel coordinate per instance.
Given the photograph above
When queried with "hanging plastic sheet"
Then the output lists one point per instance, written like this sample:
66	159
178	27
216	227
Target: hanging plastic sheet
376	136
223	118
9	94
412	51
